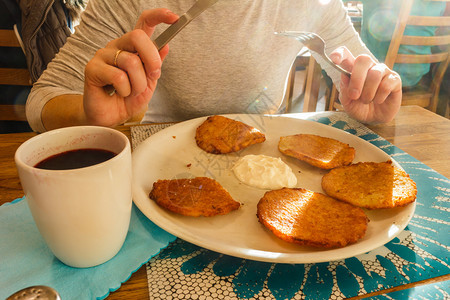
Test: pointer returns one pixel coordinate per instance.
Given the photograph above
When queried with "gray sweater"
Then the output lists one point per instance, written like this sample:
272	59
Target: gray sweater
228	60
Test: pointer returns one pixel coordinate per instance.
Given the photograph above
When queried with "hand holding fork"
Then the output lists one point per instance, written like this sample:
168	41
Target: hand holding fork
370	92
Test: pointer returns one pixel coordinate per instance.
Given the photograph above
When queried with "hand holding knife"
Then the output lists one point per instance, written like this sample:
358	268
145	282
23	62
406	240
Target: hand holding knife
168	34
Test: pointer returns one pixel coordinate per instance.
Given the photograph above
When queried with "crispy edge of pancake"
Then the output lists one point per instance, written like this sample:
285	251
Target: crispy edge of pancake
321	145
221	135
340	224
206	196
370	185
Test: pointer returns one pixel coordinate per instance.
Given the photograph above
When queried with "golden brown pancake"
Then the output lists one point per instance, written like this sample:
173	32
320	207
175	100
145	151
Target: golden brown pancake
200	196
370	185
219	135
321	152
309	218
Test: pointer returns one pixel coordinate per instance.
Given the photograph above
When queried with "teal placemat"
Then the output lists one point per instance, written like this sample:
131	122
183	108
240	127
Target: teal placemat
421	251
25	259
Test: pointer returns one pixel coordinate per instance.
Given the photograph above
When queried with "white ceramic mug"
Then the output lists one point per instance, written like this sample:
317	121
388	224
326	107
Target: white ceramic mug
83	214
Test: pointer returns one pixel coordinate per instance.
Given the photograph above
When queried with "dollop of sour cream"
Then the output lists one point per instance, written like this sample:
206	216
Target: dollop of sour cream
264	172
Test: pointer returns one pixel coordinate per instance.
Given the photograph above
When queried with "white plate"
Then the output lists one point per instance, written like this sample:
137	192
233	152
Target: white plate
173	153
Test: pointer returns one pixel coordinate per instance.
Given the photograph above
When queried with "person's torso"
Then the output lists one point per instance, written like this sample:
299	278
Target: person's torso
228	60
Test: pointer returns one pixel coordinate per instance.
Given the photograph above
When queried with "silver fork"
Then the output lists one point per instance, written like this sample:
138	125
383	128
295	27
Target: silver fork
314	43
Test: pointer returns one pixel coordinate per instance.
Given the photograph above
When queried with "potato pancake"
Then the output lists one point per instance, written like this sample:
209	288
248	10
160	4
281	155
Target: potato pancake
370	185
309	218
318	151
220	135
200	196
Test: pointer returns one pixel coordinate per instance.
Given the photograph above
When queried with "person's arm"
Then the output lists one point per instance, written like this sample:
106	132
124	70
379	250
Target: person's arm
67	110
101	22
63	111
71	90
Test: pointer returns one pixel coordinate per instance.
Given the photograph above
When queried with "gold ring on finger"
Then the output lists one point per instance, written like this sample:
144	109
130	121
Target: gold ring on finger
116	57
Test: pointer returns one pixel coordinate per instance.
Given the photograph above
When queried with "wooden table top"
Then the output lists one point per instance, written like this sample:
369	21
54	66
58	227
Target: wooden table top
419	132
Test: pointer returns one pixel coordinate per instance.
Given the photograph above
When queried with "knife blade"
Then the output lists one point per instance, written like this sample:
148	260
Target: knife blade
168	34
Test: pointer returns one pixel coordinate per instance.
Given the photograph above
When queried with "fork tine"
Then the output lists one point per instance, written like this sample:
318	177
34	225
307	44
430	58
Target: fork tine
308	36
290	33
301	36
315	43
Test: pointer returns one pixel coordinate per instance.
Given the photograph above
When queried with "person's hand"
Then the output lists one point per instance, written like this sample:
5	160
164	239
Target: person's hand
373	93
133	72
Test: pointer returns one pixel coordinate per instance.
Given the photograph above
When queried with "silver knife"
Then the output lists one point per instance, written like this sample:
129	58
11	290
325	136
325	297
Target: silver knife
168	34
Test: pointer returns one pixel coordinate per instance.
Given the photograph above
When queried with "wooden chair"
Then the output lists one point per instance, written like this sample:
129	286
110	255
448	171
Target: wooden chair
355	11
311	85
440	57
12	76
426	97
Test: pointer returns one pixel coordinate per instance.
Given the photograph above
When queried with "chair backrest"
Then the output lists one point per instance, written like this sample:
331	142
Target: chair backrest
12	76
439	57
355	11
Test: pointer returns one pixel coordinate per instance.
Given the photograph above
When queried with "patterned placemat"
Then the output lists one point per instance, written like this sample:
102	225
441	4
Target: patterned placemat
421	251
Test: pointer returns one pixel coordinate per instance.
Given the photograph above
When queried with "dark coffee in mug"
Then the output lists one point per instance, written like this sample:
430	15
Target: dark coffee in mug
75	159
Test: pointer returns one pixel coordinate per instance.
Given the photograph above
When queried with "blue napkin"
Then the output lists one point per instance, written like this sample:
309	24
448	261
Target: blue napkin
25	259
